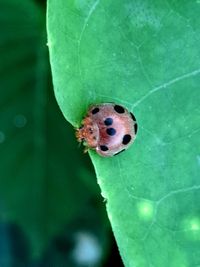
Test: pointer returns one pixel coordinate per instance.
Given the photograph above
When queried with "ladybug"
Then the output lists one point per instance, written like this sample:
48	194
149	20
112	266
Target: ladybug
107	128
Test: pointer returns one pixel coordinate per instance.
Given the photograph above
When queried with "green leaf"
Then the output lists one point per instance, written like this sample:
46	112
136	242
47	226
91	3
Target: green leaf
144	55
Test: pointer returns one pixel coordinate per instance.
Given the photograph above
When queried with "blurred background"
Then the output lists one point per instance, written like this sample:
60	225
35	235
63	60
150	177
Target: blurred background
51	209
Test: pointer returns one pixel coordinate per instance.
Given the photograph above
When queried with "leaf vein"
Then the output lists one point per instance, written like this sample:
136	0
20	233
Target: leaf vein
165	85
91	11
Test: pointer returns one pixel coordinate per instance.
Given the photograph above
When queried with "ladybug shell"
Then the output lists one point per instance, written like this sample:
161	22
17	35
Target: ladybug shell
108	128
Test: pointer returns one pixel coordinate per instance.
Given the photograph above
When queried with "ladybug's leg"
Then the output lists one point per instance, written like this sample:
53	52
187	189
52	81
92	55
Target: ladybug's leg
79	135
85	149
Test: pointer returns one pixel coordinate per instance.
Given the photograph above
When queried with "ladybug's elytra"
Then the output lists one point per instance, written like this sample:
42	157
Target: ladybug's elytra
107	128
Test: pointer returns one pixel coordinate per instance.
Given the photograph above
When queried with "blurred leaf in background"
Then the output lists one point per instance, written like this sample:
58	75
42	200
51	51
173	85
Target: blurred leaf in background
51	211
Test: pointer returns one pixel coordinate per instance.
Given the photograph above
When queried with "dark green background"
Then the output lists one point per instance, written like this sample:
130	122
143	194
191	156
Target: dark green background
48	190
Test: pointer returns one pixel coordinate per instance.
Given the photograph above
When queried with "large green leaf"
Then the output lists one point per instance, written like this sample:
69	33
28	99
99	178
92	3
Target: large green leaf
144	55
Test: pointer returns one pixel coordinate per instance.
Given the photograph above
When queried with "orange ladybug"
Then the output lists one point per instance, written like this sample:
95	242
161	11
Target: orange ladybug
107	128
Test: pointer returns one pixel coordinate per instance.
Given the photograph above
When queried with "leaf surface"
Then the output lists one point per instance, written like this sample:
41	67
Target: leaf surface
144	55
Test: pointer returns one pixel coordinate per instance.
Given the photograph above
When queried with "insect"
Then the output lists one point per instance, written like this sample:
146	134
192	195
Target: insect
107	128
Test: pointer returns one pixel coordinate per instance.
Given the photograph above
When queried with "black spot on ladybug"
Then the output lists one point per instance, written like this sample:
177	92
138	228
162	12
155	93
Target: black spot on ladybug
133	117
126	139
104	148
135	127
119	109
90	131
111	131
108	121
95	110
119	152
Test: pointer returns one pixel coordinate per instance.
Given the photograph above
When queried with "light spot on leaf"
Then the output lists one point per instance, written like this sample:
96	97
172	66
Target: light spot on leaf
146	209
2	137
195	225
20	121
